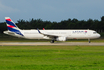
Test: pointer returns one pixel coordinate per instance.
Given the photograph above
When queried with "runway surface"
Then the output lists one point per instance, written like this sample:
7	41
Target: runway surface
48	43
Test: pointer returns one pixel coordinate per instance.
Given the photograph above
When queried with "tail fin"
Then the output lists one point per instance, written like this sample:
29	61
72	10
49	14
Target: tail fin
12	27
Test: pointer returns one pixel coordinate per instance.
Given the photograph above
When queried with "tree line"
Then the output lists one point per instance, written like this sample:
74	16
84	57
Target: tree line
64	24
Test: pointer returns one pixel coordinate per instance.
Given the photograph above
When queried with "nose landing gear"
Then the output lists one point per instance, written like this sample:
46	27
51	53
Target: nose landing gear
89	41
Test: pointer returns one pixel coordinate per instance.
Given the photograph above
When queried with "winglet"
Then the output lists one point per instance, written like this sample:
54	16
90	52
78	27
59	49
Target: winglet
38	30
43	28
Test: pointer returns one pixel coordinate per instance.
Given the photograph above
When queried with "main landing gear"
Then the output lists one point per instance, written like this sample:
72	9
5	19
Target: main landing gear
52	41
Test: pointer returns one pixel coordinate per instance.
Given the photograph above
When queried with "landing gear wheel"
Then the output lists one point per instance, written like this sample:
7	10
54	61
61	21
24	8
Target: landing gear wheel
52	41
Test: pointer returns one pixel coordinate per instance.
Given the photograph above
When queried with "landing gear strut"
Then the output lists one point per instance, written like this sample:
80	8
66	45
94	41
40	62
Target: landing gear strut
52	41
89	41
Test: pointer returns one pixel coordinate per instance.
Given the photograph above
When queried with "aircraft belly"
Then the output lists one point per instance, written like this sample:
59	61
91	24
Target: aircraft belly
77	37
34	36
82	37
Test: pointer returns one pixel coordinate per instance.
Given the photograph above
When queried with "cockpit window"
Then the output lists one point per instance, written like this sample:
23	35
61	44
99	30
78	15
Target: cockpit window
94	32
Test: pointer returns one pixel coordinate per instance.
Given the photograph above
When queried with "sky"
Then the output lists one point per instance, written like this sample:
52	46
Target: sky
51	10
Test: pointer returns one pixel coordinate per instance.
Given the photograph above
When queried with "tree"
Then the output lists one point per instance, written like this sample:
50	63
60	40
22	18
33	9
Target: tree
102	18
3	27
64	24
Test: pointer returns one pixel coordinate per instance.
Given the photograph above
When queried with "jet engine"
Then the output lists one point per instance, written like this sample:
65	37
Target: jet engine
61	39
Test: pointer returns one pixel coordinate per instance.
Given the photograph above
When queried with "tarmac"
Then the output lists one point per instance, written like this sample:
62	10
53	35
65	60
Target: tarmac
48	43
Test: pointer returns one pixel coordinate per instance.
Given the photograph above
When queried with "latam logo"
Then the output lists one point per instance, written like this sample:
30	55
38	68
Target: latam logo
85	31
79	31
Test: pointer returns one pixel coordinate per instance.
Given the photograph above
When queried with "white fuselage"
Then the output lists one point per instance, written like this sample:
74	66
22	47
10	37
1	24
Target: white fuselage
69	34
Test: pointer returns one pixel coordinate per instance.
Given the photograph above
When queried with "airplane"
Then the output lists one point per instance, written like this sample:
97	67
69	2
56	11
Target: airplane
54	35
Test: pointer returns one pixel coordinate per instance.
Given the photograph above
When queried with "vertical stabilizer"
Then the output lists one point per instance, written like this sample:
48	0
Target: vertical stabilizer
12	27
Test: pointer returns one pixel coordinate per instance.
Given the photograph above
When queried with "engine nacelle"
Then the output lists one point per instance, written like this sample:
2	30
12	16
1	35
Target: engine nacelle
61	39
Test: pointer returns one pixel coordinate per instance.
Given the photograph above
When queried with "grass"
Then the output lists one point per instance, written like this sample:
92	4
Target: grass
51	57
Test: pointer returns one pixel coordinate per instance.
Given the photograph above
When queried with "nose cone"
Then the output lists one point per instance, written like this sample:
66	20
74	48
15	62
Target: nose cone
98	35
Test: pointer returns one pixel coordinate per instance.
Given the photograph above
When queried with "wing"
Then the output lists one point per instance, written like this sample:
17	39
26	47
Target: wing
54	37
48	35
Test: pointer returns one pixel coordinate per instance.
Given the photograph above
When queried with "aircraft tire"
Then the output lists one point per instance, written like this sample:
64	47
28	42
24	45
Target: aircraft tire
52	41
